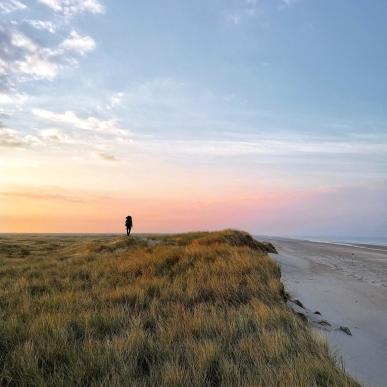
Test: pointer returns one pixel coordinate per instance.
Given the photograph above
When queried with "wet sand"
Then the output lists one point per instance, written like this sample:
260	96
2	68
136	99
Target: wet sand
347	284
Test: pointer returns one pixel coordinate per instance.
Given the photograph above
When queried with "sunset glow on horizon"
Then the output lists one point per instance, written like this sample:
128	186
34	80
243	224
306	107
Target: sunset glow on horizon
242	114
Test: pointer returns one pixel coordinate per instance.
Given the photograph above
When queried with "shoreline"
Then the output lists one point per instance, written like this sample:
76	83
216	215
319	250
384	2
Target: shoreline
347	285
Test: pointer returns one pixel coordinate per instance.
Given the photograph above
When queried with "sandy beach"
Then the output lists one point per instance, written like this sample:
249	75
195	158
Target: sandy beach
347	284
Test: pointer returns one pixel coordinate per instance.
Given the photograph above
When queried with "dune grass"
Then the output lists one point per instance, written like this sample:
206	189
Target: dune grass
200	309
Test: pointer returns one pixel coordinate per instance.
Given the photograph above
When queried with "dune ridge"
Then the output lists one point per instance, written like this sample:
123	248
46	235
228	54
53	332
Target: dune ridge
201	309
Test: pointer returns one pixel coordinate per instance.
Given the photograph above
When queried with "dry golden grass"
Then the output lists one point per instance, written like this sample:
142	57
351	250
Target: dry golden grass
200	309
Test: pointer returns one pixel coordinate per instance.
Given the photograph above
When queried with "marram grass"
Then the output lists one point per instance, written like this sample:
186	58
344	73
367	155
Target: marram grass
199	309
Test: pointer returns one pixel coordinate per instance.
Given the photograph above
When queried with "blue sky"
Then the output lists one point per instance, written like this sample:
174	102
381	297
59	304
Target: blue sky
244	98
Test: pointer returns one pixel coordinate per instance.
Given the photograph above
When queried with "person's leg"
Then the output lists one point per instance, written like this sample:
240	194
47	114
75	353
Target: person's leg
129	229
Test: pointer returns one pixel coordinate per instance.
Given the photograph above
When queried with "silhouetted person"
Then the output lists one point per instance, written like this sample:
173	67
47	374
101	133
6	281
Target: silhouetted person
128	224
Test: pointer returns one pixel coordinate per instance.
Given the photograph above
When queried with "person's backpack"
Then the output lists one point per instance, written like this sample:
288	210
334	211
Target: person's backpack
128	222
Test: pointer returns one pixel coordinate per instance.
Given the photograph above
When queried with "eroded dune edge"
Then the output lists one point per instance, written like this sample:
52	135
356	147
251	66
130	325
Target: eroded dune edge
189	309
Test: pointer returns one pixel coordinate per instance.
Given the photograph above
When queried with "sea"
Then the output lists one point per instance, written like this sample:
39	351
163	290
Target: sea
345	240
353	240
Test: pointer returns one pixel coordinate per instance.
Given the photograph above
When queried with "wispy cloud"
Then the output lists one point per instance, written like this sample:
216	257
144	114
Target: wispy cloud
287	3
103	156
245	9
78	44
54	136
50	193
8	6
268	147
233	18
23	58
70	8
72	119
41	194
10	138
45	25
116	98
12	98
28	56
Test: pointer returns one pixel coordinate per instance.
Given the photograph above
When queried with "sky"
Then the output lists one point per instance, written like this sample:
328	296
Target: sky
262	115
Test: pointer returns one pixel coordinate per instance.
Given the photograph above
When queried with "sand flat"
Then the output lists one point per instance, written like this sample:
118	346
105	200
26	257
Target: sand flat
348	285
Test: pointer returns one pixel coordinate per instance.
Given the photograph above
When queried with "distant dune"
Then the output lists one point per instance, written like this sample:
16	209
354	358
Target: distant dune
198	309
